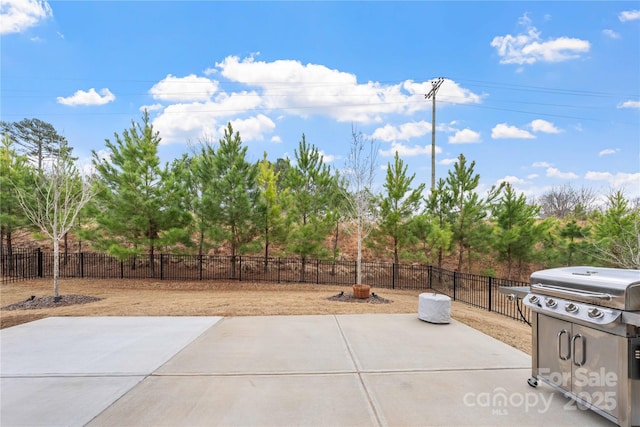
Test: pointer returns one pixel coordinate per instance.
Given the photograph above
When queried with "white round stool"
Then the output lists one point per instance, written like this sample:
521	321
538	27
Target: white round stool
434	308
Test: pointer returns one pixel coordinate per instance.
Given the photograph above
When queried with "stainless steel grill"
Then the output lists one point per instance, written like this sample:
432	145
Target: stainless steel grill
586	337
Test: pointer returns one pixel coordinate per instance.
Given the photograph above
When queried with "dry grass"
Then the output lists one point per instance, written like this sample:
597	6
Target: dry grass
151	298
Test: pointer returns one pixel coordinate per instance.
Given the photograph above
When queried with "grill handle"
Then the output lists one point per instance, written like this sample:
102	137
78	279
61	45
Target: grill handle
568	355
584	349
560	291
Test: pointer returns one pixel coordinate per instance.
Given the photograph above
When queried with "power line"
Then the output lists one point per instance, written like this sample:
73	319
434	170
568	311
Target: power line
284	84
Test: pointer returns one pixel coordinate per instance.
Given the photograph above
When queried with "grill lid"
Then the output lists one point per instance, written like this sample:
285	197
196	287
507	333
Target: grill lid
608	287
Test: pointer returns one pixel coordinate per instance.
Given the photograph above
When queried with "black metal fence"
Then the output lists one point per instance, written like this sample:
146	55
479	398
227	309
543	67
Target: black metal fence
20	264
479	291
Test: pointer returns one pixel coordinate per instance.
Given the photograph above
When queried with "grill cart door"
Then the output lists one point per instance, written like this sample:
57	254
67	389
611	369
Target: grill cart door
595	359
554	351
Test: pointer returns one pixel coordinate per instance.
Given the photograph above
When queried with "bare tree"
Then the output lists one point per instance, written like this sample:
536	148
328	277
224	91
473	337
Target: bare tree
587	200
361	168
565	200
53	204
617	233
624	251
558	202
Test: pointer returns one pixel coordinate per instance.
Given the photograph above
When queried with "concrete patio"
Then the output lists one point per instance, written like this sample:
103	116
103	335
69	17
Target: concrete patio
328	370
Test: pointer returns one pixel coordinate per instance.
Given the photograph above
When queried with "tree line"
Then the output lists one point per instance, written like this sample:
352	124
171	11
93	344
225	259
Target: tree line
132	204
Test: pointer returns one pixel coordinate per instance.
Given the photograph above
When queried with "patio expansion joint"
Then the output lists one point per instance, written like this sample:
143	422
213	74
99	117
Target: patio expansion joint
372	405
325	373
77	375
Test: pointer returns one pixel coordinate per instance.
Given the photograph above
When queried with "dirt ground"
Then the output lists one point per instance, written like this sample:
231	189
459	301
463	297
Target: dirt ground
230	298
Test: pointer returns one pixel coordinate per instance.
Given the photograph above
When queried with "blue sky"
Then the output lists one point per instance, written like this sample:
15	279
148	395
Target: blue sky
540	94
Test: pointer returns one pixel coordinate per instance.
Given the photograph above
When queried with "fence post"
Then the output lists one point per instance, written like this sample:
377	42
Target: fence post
355	271
200	266
279	269
317	271
161	266
393	276
122	269
430	272
240	268
82	264
490	299
455	283
40	267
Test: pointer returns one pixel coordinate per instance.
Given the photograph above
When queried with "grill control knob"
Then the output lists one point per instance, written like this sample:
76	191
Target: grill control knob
551	303
533	299
594	313
571	307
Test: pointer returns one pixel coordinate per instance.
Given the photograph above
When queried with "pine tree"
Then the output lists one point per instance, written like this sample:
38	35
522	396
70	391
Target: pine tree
140	205
516	230
397	206
15	175
38	140
310	184
230	198
271	206
199	174
469	210
576	235
435	222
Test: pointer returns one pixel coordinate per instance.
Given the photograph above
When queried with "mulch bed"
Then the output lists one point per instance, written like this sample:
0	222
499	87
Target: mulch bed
34	303
373	298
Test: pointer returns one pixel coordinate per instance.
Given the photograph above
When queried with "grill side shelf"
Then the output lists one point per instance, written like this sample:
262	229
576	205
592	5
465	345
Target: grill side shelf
631	318
515	291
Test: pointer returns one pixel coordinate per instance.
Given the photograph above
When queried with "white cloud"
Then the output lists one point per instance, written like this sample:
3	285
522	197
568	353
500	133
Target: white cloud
305	90
619	180
186	121
611	34
327	158
90	97
543	126
629	104
608	151
18	15
532	176
152	107
276	139
541	165
406	151
528	47
629	15
404	132
447	162
504	131
189	88
252	128
465	136
598	176
511	180
556	173
287	87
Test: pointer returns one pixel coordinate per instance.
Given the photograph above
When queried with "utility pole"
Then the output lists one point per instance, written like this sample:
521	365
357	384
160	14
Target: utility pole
435	85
